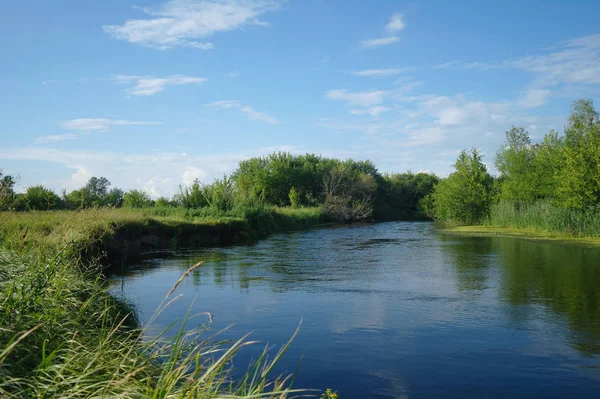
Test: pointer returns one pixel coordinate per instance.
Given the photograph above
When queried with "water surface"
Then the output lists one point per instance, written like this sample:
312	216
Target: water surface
398	310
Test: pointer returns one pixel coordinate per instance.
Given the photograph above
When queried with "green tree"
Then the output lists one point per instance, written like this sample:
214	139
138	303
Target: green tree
40	198
137	199
7	192
192	197
221	194
466	195
113	198
579	180
294	198
515	163
547	164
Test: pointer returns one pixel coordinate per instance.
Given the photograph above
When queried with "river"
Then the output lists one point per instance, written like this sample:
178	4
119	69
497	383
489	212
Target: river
398	310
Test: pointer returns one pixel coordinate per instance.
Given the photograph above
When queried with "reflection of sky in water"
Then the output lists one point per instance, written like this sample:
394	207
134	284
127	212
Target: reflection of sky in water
396	310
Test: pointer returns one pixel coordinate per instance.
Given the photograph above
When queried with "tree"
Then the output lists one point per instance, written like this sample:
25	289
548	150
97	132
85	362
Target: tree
547	164
98	187
404	192
466	195
7	192
294	198
114	198
137	199
191	197
579	180
40	198
515	163
348	194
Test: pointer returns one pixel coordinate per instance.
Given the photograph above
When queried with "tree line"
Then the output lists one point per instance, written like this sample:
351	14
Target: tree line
558	177
346	190
563	171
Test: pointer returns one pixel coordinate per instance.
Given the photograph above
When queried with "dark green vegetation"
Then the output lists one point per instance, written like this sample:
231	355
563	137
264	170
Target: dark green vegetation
552	186
63	335
346	191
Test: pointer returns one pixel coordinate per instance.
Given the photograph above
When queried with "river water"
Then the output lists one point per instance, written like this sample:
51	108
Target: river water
398	310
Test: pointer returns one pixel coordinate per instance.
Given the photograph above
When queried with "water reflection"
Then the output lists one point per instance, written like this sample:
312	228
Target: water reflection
398	309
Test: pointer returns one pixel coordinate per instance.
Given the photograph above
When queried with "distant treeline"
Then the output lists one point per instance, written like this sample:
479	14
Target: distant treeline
346	190
560	172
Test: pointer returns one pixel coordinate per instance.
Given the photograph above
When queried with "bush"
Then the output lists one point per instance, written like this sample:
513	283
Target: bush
466	195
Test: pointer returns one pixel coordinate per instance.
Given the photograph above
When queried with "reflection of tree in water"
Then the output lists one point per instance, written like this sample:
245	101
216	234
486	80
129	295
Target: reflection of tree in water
471	259
565	279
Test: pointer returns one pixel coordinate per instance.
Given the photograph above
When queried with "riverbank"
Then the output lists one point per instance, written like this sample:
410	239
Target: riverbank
526	233
63	335
119	236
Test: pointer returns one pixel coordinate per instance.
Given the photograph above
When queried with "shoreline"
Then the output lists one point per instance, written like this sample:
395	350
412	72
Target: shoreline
527	234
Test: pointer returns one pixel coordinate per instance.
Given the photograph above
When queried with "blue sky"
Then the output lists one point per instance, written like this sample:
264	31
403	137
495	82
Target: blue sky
152	94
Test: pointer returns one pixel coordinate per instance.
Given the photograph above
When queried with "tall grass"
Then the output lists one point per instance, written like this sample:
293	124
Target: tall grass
545	216
45	232
63	335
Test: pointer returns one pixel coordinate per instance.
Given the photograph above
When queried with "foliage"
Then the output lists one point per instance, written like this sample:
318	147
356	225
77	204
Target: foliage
579	183
41	198
405	192
348	194
7	193
466	195
294	198
137	199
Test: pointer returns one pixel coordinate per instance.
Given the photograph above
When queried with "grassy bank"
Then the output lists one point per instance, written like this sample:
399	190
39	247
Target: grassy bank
63	335
539	221
526	233
121	235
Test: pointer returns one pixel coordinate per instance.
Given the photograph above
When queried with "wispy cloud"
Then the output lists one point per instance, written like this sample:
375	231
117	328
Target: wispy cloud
372	111
383	41
149	85
97	124
534	98
574	63
380	72
362	99
56	137
247	110
395	25
186	23
233	74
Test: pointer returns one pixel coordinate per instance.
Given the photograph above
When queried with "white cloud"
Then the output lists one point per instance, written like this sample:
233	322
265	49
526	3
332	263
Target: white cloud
534	98
192	173
158	173
90	124
380	72
224	104
233	74
56	137
383	41
361	99
187	23
149	85
396	23
372	111
247	110
463	65
159	186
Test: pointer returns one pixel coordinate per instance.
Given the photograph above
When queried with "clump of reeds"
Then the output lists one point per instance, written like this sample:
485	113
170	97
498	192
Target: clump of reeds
63	335
545	216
